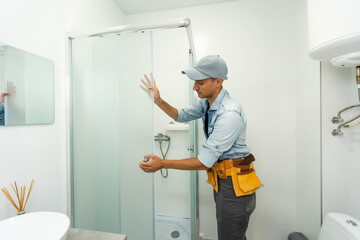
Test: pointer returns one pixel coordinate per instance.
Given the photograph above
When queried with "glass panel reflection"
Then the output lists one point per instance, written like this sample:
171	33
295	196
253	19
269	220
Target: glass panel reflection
26	88
111	133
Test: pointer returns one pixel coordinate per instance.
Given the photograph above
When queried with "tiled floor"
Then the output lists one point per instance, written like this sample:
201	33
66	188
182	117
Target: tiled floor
79	234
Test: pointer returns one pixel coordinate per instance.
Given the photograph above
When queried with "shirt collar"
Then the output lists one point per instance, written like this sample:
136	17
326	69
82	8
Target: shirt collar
218	100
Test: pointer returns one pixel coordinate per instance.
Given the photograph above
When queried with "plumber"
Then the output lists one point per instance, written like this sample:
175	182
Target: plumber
225	155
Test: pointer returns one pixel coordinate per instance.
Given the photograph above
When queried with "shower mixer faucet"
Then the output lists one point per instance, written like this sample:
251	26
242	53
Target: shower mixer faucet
161	137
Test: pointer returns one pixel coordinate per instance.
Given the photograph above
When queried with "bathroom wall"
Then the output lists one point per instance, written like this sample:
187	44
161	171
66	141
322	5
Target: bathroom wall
308	137
39	151
340	154
265	45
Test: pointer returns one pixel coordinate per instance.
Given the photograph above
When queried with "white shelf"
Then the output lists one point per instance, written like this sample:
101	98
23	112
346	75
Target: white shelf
177	127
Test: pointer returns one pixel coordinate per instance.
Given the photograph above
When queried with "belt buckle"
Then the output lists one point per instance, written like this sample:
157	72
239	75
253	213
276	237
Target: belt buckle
220	170
221	173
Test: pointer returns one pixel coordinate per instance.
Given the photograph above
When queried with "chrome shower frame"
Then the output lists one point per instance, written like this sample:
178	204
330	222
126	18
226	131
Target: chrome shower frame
174	23
117	30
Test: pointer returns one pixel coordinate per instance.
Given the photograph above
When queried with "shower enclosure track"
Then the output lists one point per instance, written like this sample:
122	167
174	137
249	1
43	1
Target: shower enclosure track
174	23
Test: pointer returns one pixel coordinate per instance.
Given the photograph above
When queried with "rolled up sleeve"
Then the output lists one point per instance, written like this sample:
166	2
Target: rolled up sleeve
227	129
190	113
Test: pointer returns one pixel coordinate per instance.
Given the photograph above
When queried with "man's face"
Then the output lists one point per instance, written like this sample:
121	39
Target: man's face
205	88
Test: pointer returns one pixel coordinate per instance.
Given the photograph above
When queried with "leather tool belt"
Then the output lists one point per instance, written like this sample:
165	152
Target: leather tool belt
241	171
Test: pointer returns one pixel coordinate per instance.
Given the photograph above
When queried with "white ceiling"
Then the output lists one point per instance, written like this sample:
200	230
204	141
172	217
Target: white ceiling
142	6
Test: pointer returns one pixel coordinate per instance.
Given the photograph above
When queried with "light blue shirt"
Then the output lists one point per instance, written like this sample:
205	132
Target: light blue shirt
226	128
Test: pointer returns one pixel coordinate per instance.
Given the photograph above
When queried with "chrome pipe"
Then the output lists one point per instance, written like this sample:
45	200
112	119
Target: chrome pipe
337	132
338	119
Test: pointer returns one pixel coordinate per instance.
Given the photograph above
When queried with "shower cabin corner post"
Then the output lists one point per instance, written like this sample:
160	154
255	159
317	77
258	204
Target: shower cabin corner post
194	175
69	136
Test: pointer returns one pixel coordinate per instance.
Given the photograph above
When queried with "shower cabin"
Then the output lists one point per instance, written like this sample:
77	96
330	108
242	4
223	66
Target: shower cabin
113	125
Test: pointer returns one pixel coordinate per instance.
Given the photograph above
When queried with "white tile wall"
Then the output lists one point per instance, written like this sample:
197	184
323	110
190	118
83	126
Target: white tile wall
341	154
308	137
39	151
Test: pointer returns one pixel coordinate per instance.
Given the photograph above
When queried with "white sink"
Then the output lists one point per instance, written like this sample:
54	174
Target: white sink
35	226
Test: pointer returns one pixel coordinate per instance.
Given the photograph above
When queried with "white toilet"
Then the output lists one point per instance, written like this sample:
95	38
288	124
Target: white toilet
339	226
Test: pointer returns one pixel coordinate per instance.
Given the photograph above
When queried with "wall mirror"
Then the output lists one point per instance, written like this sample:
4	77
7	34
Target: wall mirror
26	88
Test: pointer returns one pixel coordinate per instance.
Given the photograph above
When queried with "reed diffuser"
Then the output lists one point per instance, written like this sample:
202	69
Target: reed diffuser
20	207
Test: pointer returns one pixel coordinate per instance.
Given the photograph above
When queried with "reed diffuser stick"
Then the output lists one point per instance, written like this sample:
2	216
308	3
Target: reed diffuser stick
31	187
16	192
20	196
9	197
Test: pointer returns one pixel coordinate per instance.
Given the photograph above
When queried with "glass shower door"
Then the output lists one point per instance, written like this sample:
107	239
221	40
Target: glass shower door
112	130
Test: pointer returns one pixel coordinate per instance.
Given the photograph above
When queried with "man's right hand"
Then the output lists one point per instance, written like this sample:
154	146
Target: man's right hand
147	87
167	108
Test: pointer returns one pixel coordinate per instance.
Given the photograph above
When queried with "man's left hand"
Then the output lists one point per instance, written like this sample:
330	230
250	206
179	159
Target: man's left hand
153	165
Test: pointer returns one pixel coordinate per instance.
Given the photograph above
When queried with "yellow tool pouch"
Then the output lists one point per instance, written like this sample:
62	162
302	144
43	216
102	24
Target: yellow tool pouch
244	183
212	178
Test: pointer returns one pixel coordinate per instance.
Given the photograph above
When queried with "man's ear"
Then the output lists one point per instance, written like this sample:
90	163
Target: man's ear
219	81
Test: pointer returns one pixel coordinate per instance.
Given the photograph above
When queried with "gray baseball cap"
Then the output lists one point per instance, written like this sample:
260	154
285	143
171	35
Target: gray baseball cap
212	66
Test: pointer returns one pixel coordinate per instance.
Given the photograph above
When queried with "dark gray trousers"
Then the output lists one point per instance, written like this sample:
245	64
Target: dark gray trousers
232	213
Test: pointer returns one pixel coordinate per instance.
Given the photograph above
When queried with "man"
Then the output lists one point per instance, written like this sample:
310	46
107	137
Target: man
225	155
